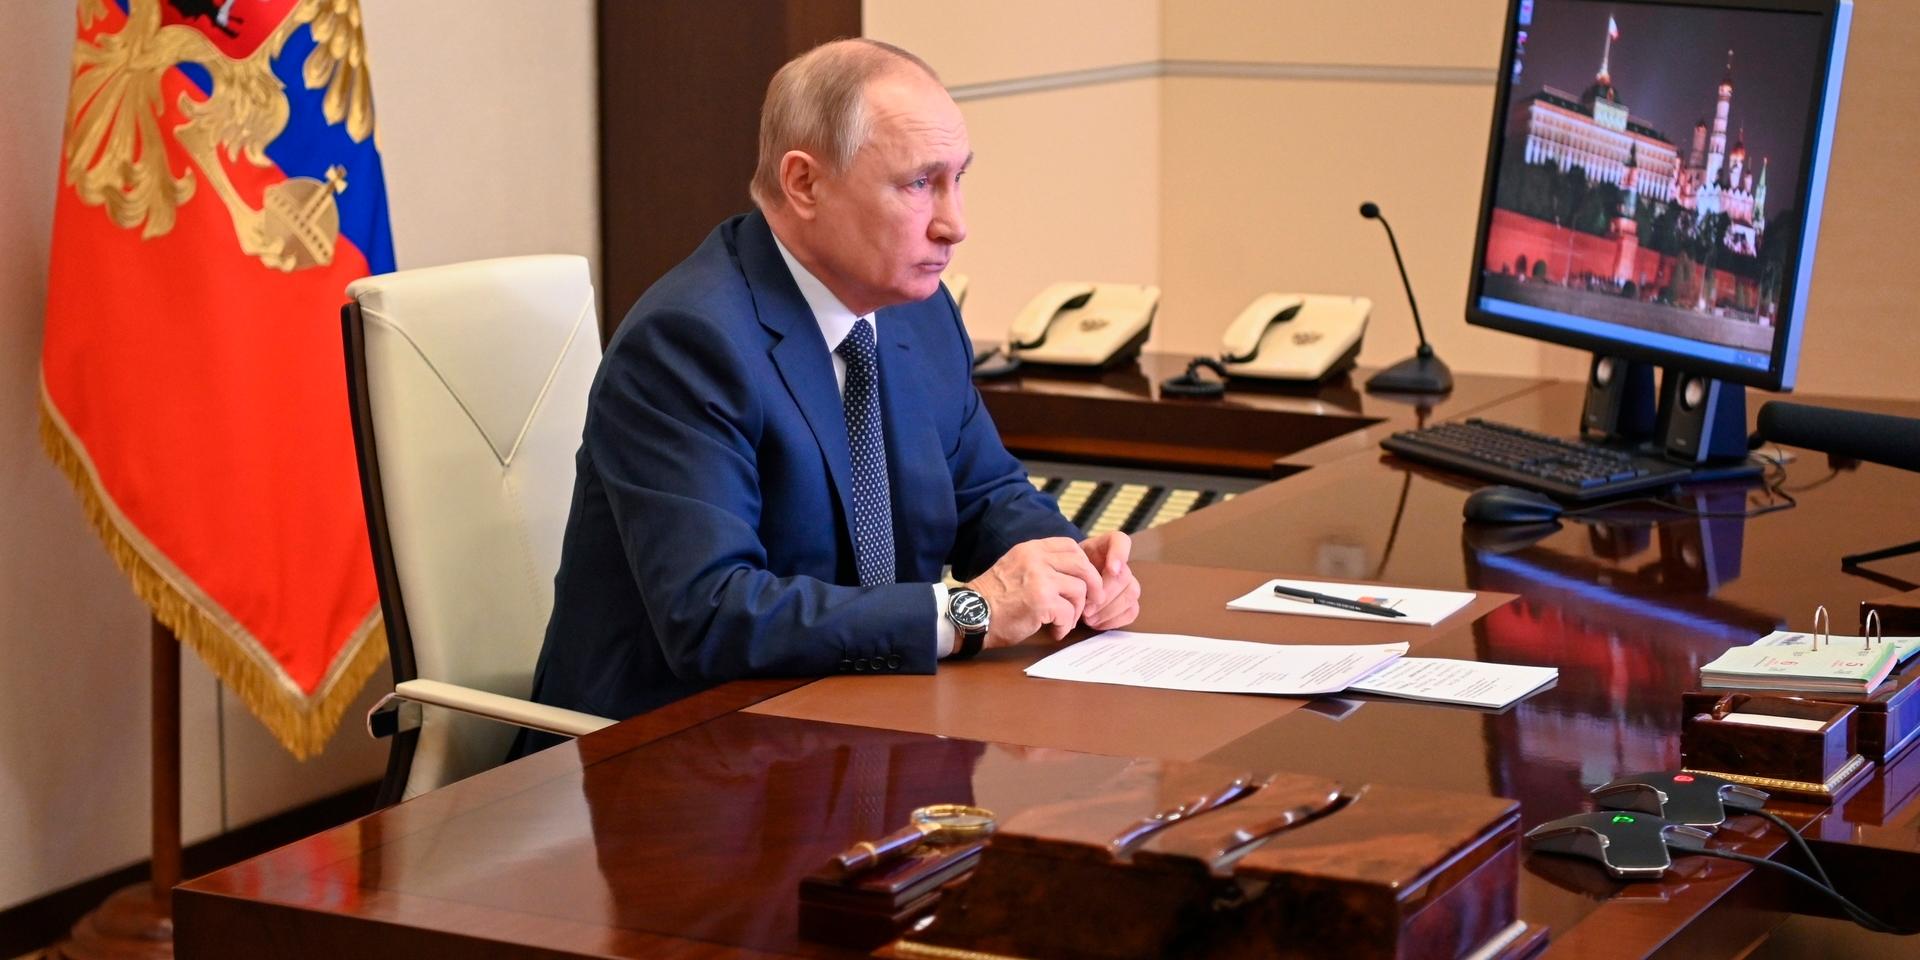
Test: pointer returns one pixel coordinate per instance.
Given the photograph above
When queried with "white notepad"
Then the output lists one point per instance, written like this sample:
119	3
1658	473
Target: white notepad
1422	607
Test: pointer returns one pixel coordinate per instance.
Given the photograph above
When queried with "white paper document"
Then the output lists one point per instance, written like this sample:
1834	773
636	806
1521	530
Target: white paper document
1464	682
1424	607
1171	661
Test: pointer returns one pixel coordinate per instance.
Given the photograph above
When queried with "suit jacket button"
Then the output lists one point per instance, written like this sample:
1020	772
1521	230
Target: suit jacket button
846	666
860	664
893	661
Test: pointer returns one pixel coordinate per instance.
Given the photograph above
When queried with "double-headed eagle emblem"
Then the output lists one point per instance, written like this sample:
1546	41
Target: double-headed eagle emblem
116	156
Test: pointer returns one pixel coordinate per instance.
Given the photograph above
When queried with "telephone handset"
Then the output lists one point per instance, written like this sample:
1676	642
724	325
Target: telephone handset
1241	342
1291	336
1036	319
1084	324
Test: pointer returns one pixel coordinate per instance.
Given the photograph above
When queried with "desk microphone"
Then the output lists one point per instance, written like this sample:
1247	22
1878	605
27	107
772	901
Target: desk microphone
1423	372
1873	437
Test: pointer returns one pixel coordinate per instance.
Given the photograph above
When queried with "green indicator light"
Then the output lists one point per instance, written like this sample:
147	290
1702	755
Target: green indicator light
1622	818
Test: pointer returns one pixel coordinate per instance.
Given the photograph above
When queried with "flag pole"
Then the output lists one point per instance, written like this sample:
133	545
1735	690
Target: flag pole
166	768
136	923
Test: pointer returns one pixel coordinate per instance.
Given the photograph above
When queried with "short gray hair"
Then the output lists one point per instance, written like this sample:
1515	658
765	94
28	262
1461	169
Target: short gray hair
817	103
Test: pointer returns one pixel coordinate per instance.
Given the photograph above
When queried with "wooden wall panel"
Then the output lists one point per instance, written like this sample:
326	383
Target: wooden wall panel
680	88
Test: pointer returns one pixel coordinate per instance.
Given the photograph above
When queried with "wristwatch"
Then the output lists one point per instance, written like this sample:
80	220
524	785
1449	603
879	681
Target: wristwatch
968	612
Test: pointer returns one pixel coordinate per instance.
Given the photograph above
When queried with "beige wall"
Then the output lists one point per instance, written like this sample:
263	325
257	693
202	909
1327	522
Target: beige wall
487	128
1039	209
988	40
1065	183
488	138
73	640
1258	177
1462	33
1863	319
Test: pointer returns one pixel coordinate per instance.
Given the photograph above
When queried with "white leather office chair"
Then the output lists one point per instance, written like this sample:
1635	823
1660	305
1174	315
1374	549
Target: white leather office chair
468	386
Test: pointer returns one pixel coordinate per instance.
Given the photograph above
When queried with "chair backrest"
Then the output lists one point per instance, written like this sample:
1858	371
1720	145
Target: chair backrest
469	385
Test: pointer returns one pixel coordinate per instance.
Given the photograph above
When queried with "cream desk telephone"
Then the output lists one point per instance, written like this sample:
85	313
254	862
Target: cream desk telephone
1295	336
1084	324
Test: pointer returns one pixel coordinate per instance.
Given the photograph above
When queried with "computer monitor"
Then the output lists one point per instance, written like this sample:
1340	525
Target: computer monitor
1654	181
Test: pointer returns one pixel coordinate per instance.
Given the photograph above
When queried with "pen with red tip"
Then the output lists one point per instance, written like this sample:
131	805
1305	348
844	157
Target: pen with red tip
1338	603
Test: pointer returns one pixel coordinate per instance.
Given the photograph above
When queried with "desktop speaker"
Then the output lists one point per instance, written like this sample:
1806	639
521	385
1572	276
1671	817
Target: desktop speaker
1620	399
1706	420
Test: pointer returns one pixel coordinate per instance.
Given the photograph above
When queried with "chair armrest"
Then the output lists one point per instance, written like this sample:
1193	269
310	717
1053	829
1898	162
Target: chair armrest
494	706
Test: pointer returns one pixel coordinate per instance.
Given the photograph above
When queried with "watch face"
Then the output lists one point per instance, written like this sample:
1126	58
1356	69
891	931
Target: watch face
968	610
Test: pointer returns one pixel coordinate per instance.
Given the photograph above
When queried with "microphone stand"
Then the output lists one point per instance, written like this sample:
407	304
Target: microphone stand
1423	372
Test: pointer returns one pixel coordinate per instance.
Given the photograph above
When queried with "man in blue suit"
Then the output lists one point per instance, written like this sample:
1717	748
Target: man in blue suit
784	446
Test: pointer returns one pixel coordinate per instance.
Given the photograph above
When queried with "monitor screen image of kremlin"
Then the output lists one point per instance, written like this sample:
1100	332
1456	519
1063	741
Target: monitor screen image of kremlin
1655	179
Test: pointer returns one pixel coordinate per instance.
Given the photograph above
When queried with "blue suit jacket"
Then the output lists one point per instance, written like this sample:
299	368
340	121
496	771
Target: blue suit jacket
709	534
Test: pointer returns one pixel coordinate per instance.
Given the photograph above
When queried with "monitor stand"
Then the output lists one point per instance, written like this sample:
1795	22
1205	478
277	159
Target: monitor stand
1693	420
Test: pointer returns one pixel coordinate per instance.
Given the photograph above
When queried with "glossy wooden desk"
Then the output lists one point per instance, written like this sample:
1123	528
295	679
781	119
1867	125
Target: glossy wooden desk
553	856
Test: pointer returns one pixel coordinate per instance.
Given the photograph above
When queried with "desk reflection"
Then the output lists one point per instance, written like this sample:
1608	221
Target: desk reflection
707	834
1627	614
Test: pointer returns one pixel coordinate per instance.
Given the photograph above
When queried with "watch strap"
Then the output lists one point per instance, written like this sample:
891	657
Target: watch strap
967	643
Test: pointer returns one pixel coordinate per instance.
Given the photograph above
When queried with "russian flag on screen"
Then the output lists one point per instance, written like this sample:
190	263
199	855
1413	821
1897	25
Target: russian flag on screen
219	186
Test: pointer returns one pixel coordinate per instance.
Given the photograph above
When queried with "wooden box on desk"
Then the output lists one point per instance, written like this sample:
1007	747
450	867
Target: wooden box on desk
1819	764
1889	718
1886	722
1374	872
866	911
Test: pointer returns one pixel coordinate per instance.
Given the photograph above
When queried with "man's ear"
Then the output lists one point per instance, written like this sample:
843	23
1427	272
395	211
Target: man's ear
800	177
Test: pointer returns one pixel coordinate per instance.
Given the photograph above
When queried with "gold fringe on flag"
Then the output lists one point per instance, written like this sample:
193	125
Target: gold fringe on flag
303	724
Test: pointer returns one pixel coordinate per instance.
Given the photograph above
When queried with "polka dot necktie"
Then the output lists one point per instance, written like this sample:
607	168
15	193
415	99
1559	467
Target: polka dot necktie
872	502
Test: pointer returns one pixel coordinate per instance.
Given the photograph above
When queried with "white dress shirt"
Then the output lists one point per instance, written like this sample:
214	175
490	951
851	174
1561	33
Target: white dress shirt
836	321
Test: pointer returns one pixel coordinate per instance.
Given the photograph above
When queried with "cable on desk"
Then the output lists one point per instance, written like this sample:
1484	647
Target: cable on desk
1853	910
1800	843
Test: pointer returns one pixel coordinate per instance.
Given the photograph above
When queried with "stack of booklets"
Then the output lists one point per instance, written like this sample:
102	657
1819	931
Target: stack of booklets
1783	660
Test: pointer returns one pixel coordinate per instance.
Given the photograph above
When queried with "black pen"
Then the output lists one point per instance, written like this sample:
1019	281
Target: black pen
1338	603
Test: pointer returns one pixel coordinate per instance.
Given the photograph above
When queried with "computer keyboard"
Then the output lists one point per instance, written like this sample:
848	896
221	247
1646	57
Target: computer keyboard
1567	469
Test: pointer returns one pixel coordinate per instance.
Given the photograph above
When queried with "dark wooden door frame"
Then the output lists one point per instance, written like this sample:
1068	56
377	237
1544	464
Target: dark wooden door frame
680	87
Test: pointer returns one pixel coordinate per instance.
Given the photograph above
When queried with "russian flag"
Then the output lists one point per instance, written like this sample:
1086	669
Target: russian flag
219	187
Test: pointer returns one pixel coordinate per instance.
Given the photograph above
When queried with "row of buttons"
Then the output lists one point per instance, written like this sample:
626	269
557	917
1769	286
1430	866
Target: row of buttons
863	664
